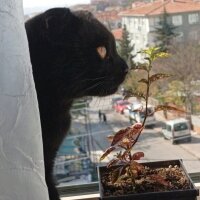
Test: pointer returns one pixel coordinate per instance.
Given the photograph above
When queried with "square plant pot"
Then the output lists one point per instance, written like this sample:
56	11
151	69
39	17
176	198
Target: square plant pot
190	193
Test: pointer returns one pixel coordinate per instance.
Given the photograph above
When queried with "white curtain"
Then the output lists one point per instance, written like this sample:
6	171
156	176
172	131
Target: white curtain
21	152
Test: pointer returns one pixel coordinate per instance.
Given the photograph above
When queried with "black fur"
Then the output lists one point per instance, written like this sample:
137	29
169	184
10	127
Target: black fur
66	66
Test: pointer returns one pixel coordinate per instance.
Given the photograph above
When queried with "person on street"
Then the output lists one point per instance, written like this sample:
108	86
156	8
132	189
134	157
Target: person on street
100	115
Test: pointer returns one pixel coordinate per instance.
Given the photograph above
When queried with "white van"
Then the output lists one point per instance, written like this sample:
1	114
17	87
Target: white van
176	130
138	116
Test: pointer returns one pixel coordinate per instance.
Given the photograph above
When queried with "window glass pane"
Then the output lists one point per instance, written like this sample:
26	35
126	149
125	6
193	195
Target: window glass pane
177	20
180	127
86	140
193	18
74	163
168	127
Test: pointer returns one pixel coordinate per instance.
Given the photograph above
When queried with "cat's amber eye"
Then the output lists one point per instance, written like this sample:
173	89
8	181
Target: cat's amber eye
102	52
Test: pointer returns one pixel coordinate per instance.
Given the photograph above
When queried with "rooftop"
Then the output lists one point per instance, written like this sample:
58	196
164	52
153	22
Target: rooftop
157	8
117	33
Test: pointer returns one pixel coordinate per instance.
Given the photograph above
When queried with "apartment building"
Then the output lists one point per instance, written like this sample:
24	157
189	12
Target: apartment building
141	21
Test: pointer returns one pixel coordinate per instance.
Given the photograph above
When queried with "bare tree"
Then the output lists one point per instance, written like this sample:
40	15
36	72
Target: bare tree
184	65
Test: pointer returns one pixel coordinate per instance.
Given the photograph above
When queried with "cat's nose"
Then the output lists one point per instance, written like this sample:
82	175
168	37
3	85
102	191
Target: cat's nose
125	67
126	70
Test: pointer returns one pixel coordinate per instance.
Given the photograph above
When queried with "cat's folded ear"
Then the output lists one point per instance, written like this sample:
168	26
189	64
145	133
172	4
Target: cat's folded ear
59	23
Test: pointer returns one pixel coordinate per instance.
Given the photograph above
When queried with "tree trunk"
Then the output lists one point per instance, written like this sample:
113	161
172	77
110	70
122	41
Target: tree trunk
21	151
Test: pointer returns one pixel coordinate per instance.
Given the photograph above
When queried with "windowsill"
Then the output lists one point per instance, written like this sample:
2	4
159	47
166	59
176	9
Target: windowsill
96	196
83	197
91	191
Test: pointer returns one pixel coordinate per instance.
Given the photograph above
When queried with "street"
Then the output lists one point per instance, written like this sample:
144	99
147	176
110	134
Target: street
151	141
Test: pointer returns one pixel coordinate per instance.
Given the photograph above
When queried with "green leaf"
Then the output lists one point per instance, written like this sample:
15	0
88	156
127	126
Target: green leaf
153	53
158	76
162	55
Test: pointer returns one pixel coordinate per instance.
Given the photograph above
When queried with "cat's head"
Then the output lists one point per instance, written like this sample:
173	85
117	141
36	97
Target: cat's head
87	60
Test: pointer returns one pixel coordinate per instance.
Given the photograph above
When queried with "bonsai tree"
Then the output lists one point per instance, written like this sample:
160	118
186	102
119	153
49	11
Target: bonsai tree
124	168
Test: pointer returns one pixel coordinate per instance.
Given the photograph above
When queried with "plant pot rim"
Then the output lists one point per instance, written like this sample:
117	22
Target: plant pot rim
191	193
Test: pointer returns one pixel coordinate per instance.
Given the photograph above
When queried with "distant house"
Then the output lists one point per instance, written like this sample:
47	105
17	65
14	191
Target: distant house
110	19
117	35
142	20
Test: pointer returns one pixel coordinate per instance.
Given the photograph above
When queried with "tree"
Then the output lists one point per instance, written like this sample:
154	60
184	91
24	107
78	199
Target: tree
164	32
125	47
184	65
21	150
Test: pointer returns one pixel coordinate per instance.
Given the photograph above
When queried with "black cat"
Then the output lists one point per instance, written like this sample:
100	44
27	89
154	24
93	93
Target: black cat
73	55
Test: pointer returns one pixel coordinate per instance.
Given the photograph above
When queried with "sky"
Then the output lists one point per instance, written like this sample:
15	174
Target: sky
30	5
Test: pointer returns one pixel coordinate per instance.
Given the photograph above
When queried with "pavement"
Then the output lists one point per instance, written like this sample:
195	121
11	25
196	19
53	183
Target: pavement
151	141
193	147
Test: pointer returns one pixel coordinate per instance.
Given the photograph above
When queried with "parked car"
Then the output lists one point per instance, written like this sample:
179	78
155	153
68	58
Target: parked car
121	105
176	130
115	99
127	110
132	106
137	114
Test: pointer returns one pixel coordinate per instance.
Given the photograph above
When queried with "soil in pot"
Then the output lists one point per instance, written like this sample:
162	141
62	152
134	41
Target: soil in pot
147	180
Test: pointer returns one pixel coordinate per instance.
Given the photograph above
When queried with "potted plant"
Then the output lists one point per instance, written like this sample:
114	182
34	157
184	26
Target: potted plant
124	177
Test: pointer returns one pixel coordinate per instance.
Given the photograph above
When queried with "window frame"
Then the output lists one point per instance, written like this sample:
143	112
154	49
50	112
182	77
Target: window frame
177	20
193	18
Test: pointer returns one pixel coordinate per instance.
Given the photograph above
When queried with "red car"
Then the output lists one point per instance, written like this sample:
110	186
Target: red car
120	105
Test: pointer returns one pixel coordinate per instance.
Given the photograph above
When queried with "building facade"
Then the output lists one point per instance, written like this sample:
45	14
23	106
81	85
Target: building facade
141	22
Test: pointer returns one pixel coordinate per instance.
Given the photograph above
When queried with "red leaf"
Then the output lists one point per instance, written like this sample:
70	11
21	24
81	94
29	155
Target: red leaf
136	167
119	135
110	138
159	179
118	172
112	162
165	107
135	129
137	155
110	149
158	76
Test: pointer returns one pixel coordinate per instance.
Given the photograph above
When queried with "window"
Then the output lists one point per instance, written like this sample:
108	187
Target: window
177	20
168	127
180	127
75	168
193	18
135	21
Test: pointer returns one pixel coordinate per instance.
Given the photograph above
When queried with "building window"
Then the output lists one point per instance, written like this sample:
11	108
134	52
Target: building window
135	21
193	18
177	20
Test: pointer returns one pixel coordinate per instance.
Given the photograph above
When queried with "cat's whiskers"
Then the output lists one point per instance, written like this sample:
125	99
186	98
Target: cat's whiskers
93	86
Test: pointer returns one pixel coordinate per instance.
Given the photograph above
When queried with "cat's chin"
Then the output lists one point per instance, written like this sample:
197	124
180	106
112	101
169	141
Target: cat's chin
108	91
